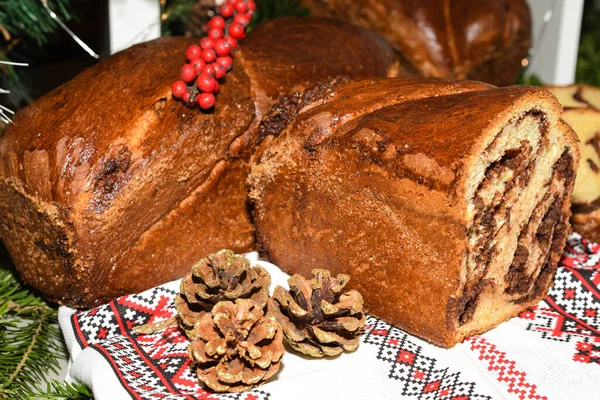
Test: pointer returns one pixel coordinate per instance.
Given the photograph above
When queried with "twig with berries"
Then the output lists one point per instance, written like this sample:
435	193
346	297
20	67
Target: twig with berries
212	59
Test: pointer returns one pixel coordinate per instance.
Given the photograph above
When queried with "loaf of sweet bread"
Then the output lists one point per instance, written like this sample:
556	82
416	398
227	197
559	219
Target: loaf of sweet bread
109	186
582	111
447	203
576	96
462	39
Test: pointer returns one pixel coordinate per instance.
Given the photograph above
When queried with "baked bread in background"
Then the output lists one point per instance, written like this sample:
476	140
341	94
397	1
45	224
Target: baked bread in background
447	202
576	96
582	111
464	39
110	186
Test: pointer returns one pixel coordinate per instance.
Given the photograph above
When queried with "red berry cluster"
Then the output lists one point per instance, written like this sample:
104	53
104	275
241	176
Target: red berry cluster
210	61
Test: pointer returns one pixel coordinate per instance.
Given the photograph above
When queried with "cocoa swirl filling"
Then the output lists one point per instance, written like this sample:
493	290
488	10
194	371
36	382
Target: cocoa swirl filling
485	221
549	237
586	208
286	110
540	237
591	206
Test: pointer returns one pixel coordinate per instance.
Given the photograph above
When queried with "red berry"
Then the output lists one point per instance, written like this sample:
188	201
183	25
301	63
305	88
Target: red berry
186	97
222	48
232	42
188	73
240	6
209	70
232	2
220	71
207	43
226	10
217	22
205	83
242	19
198	65
216	87
209	55
251	5
206	100
179	88
237	31
193	52
215	33
225	62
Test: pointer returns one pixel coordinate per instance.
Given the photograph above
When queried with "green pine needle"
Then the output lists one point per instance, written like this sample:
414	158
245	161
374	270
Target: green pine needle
178	13
61	391
271	9
588	60
27	19
30	343
27	22
529	80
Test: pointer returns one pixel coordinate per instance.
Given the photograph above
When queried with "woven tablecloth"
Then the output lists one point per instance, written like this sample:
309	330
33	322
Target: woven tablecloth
551	351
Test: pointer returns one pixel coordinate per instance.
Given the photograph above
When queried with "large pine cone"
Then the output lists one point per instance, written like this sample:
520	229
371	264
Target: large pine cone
218	277
237	347
316	317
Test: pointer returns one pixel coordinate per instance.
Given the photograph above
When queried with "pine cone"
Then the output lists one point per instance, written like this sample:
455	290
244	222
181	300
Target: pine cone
317	319
220	276
237	346
200	13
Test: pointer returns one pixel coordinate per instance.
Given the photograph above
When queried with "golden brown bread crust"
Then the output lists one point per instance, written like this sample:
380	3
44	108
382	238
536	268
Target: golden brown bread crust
109	186
290	54
464	39
389	188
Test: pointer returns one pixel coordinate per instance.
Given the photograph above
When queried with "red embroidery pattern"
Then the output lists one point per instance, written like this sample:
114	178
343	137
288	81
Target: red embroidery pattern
156	366
588	353
504	370
419	375
572	307
148	366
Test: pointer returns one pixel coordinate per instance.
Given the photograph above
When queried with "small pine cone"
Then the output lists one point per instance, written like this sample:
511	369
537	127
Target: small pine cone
316	317
200	12
220	276
237	347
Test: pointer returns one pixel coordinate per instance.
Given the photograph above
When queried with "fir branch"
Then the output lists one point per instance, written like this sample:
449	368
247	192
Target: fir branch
588	60
61	391
529	79
175	15
24	22
30	343
28	19
271	9
27	353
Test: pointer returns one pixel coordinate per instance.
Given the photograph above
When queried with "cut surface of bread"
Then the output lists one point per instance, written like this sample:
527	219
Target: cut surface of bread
447	203
577	96
582	113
